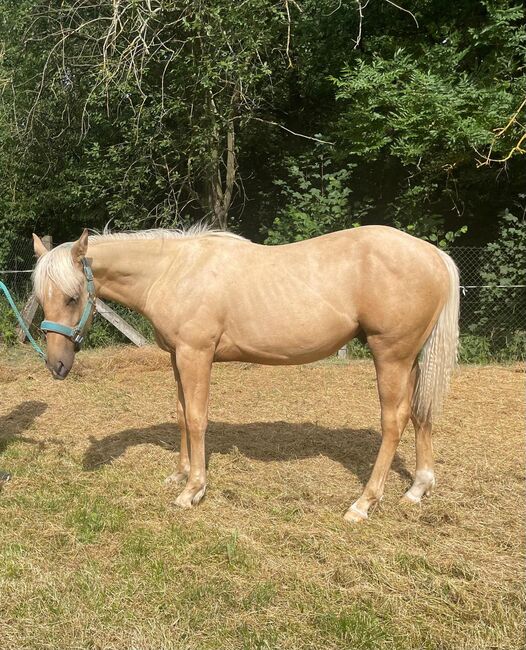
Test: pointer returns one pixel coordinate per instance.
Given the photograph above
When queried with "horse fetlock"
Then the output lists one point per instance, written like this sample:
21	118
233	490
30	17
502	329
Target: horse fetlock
422	486
177	478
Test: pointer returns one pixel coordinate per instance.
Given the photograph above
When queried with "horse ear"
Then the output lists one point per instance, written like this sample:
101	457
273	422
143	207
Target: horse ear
80	247
39	247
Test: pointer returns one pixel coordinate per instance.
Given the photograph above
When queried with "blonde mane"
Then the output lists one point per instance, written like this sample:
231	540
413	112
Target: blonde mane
57	266
192	232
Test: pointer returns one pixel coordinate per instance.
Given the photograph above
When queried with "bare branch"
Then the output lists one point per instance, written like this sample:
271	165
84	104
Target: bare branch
300	135
517	148
360	14
406	10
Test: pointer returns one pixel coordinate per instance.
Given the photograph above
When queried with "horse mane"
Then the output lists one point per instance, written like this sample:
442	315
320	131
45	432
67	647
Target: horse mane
57	266
192	232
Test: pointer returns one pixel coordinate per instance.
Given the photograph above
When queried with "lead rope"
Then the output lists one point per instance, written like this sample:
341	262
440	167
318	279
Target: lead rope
20	320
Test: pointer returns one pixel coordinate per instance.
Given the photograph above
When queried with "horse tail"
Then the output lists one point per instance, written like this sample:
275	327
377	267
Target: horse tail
438	357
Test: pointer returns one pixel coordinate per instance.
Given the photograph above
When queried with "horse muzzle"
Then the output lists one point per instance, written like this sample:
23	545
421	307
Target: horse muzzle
58	370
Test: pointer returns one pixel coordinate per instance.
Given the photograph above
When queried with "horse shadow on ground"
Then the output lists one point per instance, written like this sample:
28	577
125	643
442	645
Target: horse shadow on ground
355	449
18	420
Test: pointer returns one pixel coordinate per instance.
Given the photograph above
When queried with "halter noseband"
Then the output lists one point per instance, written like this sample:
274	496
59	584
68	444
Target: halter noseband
77	333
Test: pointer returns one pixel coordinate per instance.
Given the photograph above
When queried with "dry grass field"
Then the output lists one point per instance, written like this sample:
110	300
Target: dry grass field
93	554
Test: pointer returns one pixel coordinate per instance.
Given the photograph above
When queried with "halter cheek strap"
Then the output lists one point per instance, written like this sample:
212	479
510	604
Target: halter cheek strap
77	333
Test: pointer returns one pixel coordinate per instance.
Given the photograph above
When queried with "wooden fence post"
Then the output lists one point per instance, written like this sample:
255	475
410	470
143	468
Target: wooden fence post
31	306
117	321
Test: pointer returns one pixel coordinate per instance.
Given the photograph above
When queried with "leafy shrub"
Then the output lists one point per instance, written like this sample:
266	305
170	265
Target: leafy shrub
316	200
357	350
487	349
501	309
103	333
7	323
474	349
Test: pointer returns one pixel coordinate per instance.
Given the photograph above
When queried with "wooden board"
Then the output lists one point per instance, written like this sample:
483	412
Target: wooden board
117	321
31	306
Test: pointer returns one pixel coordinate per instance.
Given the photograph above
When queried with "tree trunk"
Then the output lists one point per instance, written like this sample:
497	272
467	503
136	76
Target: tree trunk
223	169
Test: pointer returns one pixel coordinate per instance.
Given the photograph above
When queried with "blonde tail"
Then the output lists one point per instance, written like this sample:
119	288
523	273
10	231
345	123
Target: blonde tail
438	357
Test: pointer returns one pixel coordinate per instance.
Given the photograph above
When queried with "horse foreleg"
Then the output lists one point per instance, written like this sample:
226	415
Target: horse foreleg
194	368
183	466
393	388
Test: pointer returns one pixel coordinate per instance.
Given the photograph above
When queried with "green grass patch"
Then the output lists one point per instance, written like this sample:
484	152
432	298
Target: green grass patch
357	627
93	516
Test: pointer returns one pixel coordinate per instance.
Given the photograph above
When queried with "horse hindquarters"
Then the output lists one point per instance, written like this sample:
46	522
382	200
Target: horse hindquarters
408	387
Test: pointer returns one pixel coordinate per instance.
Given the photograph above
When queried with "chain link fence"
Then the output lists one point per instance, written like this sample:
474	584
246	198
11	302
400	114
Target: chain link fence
492	315
16	263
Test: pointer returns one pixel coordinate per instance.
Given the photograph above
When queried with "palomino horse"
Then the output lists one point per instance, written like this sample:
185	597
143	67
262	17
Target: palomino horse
214	296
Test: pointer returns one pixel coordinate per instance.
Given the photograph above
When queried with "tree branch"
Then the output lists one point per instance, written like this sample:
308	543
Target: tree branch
300	135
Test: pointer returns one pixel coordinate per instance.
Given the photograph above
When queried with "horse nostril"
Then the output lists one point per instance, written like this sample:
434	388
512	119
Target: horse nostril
59	370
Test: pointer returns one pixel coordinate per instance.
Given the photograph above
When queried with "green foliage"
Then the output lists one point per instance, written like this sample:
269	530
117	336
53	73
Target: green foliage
130	124
424	105
7	323
316	200
357	350
477	348
135	117
505	267
134	129
474	349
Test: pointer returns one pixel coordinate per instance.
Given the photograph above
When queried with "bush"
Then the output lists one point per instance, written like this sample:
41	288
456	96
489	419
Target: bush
505	267
487	349
103	333
7	323
316	200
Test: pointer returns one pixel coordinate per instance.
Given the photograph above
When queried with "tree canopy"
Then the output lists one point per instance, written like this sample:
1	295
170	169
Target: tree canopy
280	119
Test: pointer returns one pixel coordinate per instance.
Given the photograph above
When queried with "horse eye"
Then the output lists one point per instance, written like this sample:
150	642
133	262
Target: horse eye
73	300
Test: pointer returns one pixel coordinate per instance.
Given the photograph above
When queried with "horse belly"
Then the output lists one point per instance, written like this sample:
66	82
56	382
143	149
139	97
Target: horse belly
286	336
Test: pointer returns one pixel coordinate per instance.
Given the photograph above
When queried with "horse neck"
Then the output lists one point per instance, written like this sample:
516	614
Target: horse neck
124	270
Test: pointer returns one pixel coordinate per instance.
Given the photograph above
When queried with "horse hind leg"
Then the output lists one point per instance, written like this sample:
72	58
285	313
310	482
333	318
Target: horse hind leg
394	388
424	481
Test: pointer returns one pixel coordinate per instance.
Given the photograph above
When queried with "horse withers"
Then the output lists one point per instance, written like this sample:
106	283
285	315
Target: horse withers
214	296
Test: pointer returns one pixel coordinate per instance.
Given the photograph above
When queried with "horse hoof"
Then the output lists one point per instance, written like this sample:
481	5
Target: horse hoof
410	499
187	499
355	516
183	501
198	496
177	478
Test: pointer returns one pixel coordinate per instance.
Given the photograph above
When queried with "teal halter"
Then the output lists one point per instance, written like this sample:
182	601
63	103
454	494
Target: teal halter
77	333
